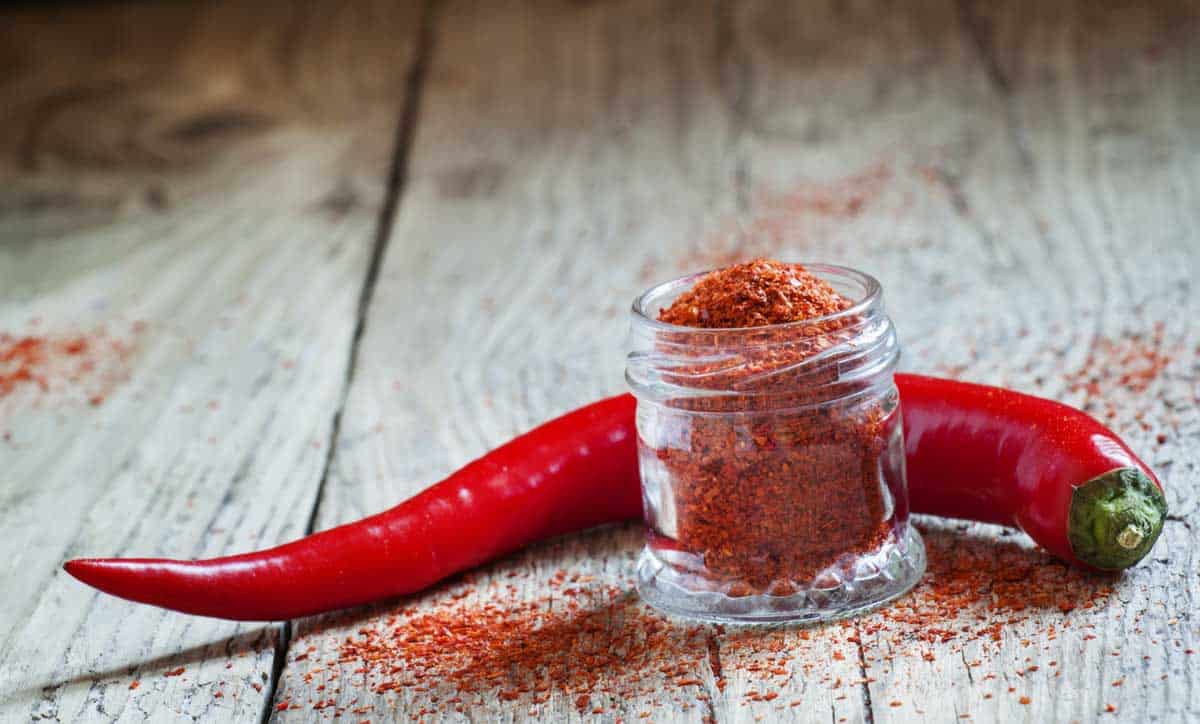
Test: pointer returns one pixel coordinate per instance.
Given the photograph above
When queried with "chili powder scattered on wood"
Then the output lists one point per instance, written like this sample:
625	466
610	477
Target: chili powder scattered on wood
90	365
590	637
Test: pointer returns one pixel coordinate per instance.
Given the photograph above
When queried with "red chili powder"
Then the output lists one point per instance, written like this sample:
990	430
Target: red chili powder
809	212
594	642
22	359
1113	379
974	589
1128	365
568	643
766	499
754	294
841	198
91	363
1132	362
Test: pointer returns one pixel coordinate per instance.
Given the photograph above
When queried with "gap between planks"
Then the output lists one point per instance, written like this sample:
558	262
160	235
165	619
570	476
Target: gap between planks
397	180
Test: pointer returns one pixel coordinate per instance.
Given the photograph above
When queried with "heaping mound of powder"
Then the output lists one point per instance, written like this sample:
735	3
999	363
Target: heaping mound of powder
754	294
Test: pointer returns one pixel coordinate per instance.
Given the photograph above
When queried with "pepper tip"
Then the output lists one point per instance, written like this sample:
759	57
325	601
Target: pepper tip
77	568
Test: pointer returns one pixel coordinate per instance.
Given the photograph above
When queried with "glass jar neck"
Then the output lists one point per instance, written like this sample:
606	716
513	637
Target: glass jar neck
810	362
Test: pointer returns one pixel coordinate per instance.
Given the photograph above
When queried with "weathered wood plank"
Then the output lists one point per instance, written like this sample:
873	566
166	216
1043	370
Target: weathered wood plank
1035	175
1088	196
540	186
202	182
892	138
1040	198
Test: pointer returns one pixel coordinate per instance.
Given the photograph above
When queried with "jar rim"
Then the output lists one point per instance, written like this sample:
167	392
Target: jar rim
874	292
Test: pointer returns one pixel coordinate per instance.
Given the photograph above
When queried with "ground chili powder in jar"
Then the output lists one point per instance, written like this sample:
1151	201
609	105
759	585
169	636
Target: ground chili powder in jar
770	445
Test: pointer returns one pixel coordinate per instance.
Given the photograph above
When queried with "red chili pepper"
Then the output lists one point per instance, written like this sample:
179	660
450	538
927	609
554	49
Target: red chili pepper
574	472
998	456
972	451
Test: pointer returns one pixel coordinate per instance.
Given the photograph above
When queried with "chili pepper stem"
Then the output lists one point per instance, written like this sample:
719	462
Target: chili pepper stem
1116	518
1130	537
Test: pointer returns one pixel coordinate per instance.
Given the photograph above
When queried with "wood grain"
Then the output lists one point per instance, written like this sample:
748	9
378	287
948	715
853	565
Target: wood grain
1078	203
1024	181
200	184
611	154
536	183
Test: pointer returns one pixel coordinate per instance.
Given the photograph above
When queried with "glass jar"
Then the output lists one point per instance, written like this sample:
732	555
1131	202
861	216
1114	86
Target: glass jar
772	461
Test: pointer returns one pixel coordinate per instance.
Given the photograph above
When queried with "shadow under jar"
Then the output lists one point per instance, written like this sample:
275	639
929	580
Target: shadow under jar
772	461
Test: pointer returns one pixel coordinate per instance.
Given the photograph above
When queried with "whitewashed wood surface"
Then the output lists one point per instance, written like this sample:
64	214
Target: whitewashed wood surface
1024	180
214	175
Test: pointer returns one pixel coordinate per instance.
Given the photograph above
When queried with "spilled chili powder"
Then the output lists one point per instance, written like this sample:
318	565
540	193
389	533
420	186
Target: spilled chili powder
817	213
593	643
1133	362
88	364
1111	383
24	360
774	494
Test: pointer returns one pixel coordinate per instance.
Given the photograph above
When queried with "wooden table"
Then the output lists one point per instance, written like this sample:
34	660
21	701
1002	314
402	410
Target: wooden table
321	254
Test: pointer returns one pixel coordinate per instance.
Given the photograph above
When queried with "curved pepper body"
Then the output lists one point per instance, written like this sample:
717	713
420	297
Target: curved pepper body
574	472
998	456
972	452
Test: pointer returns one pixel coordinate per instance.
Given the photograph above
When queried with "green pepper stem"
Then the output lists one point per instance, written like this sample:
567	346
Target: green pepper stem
1115	518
